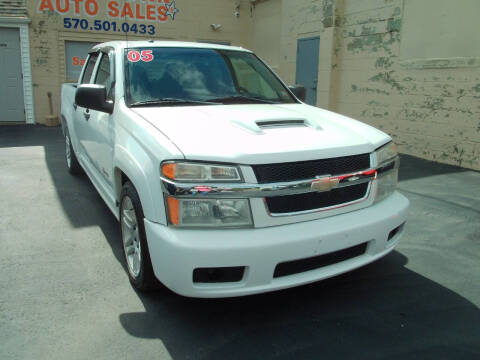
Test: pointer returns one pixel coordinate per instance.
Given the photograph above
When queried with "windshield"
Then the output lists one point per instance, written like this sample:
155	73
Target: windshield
199	76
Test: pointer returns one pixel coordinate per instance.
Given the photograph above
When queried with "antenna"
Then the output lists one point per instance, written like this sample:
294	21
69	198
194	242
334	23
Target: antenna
125	20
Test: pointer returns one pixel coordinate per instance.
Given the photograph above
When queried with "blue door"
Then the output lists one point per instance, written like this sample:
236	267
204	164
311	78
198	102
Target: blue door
307	67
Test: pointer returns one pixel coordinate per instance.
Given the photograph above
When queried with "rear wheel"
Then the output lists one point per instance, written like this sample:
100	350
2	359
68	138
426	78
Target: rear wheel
134	240
73	165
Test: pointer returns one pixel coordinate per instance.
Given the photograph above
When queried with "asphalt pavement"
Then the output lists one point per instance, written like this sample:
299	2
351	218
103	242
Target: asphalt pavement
64	292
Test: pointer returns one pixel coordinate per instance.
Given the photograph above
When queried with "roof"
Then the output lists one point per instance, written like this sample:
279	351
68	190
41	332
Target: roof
162	43
13	8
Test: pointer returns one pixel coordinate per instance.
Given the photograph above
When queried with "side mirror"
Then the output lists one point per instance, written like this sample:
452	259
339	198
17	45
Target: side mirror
93	97
299	91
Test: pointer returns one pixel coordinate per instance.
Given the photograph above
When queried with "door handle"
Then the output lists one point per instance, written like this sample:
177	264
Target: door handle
86	115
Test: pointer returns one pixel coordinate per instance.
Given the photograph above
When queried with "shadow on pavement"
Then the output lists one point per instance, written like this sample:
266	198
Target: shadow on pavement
412	167
78	197
382	311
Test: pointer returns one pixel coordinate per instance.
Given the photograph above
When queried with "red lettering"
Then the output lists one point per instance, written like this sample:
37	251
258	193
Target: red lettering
133	56
127	10
162	13
77	6
65	8
77	61
88	7
147	55
151	12
46	4
139	12
113	6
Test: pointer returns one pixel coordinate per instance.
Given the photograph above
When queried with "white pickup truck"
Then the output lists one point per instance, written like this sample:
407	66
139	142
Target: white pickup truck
224	182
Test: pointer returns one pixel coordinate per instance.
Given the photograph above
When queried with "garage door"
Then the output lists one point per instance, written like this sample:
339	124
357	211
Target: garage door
11	82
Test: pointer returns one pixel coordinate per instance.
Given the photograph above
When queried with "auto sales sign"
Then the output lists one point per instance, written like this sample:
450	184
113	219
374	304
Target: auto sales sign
112	15
146	10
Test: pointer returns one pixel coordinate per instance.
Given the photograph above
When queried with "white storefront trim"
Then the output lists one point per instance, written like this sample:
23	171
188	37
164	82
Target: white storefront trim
22	25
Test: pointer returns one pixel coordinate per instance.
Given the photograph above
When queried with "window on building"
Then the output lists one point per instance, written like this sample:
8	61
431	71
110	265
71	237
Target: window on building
76	53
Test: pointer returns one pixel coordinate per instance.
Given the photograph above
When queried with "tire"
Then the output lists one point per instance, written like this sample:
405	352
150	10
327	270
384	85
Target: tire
71	160
134	240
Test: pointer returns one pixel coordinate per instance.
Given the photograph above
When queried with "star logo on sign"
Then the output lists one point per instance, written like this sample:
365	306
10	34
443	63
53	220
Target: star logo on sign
172	10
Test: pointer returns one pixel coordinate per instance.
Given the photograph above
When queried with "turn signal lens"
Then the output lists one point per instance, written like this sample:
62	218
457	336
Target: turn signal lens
184	171
173	209
168	170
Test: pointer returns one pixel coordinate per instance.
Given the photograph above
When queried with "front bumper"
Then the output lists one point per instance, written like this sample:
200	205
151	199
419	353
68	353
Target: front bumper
175	253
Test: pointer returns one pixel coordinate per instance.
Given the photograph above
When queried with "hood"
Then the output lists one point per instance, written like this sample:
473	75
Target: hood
263	133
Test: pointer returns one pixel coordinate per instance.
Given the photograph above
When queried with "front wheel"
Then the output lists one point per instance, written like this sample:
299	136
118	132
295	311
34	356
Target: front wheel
134	240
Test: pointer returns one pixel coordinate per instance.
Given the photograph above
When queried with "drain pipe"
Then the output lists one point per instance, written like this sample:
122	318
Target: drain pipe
51	119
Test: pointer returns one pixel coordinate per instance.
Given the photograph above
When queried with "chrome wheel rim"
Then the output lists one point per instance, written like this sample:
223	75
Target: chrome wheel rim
68	154
131	237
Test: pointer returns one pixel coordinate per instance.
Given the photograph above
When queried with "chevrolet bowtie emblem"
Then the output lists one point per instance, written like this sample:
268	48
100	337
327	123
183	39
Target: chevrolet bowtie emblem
326	183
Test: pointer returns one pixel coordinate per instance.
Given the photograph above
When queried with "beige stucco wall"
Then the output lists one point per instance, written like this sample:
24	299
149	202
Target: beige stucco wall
428	100
191	23
407	67
266	26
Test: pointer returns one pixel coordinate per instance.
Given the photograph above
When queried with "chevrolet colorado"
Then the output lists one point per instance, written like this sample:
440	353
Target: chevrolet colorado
224	182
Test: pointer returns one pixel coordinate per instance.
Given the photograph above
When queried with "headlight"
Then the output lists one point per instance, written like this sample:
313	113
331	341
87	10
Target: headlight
209	212
190	171
386	152
387	159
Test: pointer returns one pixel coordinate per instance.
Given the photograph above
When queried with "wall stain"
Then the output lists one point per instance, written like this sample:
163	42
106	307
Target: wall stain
373	43
327	13
387	78
355	88
384	62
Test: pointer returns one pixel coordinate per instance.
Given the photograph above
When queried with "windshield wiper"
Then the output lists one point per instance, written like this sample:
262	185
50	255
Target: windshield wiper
170	101
243	98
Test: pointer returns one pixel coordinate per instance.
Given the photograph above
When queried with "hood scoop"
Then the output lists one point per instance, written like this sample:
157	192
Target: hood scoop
287	123
267	124
258	126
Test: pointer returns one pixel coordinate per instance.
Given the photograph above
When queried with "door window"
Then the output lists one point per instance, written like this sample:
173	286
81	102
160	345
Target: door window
103	76
87	75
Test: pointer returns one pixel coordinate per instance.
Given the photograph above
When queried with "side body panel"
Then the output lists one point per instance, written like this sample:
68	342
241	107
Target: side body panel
122	145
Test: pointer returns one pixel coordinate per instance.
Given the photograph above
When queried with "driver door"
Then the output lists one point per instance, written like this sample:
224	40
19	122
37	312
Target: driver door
82	115
100	125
